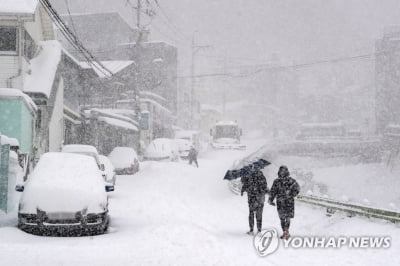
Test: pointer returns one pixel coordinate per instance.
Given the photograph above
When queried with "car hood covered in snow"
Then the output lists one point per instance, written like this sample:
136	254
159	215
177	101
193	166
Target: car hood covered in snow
63	182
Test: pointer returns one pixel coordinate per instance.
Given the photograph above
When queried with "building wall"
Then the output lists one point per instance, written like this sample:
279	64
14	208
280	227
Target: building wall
17	121
27	130
8	67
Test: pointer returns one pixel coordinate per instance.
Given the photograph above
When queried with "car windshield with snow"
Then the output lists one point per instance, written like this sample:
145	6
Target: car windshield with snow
65	195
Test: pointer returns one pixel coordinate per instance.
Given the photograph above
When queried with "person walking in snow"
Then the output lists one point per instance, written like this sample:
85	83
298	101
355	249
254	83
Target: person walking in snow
255	185
193	156
284	189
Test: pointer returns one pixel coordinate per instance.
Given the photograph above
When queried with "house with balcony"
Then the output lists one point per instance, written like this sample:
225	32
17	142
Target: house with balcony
30	69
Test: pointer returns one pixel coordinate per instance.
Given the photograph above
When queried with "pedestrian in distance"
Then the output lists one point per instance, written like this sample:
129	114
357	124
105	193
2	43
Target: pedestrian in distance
284	189
193	156
255	185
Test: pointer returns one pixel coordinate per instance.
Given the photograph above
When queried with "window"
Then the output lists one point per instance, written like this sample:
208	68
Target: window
29	46
8	40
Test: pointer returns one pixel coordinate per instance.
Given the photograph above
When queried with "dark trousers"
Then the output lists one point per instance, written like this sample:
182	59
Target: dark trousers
191	160
285	223
258	212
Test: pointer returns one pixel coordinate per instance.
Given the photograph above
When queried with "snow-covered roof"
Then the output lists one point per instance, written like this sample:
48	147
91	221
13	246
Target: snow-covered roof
113	66
43	68
226	123
6	93
118	123
120	114
4	140
155	103
18	6
152	94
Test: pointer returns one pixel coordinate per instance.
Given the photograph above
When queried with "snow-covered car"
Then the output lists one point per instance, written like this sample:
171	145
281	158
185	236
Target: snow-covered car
109	169
125	160
64	195
191	135
162	149
84	150
183	148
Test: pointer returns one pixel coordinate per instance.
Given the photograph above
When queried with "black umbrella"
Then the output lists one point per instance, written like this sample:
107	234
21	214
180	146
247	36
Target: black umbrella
232	174
248	169
263	163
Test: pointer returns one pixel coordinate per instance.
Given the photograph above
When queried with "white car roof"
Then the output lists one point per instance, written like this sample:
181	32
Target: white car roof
79	148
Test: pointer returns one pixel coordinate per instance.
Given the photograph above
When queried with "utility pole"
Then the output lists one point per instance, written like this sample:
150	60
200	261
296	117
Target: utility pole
138	86
195	49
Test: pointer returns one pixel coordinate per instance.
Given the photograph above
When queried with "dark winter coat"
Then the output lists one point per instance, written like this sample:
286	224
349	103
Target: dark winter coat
255	185
284	189
193	154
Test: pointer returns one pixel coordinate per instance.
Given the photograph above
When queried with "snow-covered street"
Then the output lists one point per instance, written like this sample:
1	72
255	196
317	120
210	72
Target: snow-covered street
176	214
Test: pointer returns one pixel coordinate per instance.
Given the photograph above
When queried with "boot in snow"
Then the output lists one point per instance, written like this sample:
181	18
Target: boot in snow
250	233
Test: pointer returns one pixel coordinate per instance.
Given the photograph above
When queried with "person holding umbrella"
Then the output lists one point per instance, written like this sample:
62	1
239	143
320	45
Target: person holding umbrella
284	189
255	184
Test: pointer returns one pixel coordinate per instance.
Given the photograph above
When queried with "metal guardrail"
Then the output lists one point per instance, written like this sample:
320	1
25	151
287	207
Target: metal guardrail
332	206
350	208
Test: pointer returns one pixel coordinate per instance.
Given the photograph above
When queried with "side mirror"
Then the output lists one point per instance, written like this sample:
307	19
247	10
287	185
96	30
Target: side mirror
102	167
109	188
19	188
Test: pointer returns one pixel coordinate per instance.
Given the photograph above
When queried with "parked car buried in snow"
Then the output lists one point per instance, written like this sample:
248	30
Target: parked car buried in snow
109	170
162	149
64	196
125	160
183	148
84	150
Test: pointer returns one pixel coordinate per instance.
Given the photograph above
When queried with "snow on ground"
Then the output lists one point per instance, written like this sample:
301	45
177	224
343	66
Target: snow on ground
349	180
176	214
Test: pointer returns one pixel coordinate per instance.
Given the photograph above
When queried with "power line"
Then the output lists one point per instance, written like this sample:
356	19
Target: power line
275	68
73	39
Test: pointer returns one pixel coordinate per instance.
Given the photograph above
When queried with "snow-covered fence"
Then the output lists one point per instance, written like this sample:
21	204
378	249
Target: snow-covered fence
350	209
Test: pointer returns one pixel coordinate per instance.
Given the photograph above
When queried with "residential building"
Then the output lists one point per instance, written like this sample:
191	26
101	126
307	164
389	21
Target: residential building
30	63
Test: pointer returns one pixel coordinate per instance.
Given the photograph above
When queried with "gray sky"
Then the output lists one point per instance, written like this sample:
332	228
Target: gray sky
252	30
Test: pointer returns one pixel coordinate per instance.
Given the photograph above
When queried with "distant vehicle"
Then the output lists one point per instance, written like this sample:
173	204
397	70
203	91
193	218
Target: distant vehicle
184	146
190	135
226	135
64	195
109	170
125	160
84	150
162	149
